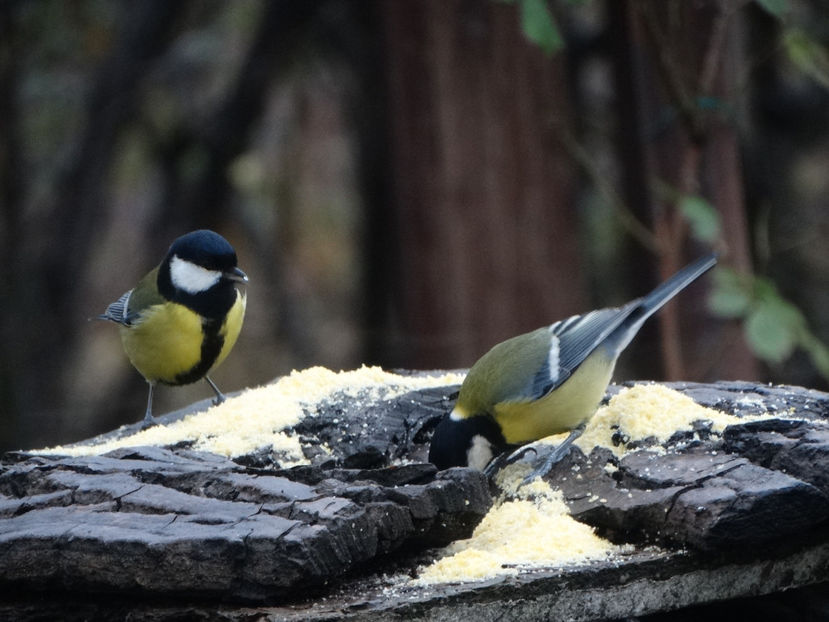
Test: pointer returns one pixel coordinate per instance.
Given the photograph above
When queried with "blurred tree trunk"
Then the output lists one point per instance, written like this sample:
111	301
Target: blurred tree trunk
60	240
677	76
484	223
64	235
10	209
226	134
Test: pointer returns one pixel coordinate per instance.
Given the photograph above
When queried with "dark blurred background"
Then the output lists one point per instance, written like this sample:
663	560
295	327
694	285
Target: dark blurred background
409	182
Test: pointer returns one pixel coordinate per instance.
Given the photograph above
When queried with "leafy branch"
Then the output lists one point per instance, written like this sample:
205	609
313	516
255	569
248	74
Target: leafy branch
773	327
809	56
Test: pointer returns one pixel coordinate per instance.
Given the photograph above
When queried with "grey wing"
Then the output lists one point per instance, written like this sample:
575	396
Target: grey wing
118	311
573	340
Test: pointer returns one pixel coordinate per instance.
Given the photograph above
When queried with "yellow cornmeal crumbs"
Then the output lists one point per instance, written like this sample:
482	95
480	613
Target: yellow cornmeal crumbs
531	531
649	410
259	417
535	528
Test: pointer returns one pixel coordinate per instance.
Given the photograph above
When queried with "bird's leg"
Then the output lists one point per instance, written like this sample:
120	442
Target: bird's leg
507	458
220	397
555	456
149	420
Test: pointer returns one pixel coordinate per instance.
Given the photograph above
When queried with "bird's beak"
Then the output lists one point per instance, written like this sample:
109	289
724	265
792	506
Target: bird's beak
236	275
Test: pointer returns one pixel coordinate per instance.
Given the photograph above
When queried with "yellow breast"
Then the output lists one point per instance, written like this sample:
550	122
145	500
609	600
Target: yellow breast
560	410
232	327
167	341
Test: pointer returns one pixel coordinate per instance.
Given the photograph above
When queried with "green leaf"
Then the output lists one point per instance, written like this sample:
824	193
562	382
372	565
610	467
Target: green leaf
731	295
539	26
774	328
729	302
807	55
763	288
701	215
767	339
777	8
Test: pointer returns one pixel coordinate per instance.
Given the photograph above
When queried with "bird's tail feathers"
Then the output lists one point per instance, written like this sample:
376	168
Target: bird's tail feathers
651	303
679	281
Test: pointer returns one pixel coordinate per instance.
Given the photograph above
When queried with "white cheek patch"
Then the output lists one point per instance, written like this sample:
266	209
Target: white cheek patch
191	278
480	453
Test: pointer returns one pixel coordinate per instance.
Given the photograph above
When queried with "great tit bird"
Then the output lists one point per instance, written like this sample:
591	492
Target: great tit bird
183	317
544	382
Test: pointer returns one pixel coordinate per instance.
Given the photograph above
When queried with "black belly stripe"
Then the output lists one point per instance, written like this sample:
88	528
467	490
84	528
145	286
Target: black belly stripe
211	347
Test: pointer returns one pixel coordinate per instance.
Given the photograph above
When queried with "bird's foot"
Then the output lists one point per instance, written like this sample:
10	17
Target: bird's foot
506	458
220	397
556	456
149	421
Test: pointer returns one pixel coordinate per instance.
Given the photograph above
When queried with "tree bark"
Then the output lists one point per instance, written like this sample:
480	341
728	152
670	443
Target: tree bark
484	224
682	55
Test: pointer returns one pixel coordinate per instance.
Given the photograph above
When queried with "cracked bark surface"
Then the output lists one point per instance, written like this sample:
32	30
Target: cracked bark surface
737	515
171	522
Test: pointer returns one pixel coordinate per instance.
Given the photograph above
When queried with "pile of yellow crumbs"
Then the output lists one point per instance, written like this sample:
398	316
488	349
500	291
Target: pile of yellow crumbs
530	526
649	411
259	417
531	529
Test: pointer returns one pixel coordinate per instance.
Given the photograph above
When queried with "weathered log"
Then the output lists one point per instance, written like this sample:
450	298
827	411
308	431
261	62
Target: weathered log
741	514
153	520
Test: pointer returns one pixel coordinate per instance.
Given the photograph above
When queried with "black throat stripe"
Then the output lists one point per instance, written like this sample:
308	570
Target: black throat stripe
211	347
